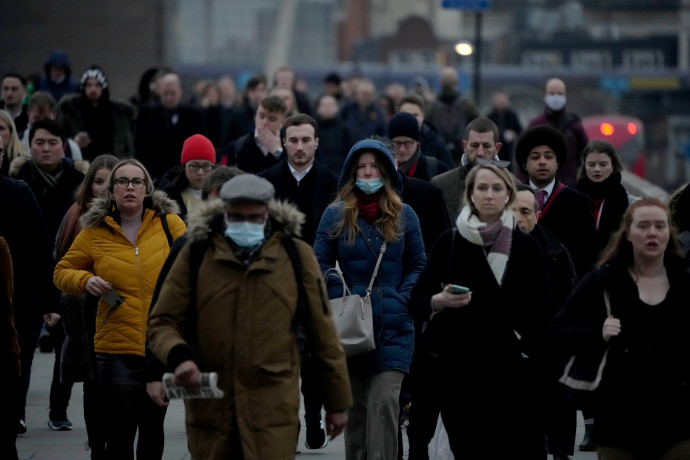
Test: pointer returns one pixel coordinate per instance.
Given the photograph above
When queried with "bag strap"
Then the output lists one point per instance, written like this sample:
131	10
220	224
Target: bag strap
166	229
607	301
376	269
450	258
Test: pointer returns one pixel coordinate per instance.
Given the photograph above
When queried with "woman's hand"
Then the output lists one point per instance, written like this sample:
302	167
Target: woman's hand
97	286
446	299
156	392
612	327
51	319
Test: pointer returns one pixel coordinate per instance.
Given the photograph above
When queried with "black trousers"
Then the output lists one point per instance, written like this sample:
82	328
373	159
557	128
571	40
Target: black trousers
313	401
60	393
28	332
128	408
424	378
9	417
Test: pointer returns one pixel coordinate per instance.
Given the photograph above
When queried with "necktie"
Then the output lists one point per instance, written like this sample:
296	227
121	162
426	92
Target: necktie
541	198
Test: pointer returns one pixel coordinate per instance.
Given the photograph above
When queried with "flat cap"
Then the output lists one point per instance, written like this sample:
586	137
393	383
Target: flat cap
247	188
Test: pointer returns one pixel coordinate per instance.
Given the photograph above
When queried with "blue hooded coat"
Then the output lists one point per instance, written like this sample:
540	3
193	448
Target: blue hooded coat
402	263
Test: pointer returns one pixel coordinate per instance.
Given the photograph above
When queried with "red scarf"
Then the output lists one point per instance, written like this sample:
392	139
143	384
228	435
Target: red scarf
368	205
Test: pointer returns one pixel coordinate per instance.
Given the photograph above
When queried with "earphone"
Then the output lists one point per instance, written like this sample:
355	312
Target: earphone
507	199
472	198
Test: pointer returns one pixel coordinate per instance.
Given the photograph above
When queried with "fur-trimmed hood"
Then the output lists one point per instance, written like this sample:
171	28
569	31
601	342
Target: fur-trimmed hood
284	216
102	208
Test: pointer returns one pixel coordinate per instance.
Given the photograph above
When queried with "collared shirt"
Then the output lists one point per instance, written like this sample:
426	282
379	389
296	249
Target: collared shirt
548	189
299	175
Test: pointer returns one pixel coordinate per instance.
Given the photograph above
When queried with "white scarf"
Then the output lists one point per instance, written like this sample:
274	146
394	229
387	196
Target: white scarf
498	236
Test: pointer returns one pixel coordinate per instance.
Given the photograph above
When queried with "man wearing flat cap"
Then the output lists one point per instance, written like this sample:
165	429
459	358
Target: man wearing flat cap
238	321
540	152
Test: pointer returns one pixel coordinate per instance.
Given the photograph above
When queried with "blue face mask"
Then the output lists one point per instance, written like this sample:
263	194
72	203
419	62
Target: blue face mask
245	234
369	186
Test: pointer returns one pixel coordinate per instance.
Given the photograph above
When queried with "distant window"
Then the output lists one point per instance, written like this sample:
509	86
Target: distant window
643	59
542	59
591	59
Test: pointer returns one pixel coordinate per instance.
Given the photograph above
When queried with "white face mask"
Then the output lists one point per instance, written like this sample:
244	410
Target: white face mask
555	101
245	234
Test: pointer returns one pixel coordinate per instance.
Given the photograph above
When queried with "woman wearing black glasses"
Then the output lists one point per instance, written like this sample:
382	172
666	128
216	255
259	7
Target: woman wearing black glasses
483	294
125	239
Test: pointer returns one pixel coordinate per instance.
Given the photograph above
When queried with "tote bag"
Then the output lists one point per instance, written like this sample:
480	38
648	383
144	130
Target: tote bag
584	372
353	315
353	319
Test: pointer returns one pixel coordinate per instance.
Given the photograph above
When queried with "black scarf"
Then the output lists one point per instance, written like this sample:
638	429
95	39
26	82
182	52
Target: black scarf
615	202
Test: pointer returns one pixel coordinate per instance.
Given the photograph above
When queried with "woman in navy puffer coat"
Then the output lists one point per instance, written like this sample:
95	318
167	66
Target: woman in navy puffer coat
368	212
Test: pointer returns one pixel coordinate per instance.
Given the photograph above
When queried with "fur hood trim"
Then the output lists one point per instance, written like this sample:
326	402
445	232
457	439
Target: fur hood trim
101	207
284	216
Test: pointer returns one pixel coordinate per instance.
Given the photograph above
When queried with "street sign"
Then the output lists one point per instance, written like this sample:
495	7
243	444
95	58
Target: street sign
472	5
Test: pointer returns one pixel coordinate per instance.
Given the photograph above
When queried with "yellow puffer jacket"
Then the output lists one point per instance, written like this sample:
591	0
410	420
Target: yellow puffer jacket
102	249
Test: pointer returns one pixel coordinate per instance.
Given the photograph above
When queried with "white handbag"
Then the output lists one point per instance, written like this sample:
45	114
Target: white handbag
353	316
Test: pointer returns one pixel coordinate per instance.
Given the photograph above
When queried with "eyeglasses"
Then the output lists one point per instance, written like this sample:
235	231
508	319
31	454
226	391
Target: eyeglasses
253	218
195	167
3	151
123	182
406	144
491	162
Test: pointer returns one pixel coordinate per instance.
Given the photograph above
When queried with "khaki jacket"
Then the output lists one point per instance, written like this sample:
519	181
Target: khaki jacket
241	328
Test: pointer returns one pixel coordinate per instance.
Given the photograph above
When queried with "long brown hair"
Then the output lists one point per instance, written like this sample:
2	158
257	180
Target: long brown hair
390	204
619	244
84	193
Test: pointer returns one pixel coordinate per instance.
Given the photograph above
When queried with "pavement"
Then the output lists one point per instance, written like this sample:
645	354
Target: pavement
42	443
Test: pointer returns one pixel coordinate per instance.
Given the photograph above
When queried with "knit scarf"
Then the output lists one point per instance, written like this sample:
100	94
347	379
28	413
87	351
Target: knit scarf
406	165
497	237
368	205
50	180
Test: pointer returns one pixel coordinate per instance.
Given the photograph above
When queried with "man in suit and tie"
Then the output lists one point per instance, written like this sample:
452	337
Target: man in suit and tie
540	152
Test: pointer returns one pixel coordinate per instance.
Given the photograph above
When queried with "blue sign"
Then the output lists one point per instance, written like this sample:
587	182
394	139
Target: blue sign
473	5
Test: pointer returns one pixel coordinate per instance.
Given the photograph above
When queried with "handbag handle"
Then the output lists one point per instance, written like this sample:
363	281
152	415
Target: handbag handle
335	272
346	290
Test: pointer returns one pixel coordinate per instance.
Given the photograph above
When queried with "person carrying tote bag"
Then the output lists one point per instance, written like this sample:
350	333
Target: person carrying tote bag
366	214
642	402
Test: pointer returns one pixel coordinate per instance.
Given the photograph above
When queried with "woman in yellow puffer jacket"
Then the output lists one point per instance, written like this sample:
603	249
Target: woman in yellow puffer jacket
123	244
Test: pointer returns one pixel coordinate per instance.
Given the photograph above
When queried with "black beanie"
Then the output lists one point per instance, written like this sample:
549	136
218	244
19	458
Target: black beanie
403	124
540	135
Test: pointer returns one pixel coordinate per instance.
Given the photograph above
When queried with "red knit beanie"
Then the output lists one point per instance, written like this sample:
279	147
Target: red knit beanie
198	147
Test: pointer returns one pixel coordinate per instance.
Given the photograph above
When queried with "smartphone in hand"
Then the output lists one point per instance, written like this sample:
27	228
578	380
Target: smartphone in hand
112	298
457	289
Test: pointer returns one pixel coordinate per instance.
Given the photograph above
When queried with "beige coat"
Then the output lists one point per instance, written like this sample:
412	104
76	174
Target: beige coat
242	329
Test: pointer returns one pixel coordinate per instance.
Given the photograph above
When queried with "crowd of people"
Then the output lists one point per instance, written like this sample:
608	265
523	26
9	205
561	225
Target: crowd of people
189	235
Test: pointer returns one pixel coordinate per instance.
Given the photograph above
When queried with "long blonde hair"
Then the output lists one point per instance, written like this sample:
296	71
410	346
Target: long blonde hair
390	204
15	147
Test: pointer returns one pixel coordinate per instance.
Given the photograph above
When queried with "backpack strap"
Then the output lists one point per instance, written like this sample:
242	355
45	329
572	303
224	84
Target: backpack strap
166	229
197	250
431	165
298	322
